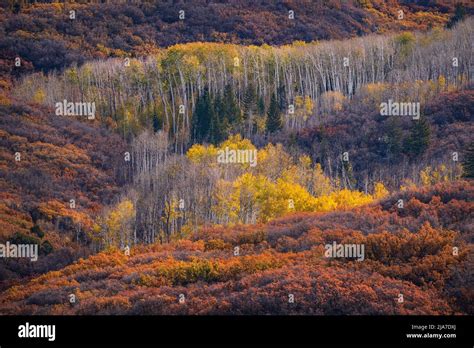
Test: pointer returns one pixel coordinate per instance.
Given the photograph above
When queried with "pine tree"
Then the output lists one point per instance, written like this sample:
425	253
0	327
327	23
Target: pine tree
394	137
419	138
468	164
282	104
261	106
459	14
274	122
249	107
231	111
217	121
156	123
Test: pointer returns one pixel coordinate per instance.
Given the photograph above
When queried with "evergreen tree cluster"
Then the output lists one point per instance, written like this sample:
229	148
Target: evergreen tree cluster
214	118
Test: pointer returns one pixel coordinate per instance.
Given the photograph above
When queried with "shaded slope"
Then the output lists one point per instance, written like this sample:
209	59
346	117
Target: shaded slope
111	29
60	159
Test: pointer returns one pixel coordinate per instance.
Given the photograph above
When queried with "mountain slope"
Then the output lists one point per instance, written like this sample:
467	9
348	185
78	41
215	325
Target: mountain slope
119	29
45	161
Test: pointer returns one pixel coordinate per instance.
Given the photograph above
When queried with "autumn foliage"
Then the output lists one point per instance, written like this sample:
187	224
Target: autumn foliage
34	28
60	159
137	209
409	251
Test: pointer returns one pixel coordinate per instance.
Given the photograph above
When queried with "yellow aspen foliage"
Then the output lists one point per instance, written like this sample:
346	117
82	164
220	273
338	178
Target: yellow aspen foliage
260	124
441	82
345	199
303	109
95	233
208	154
431	176
72	75
245	196
325	203
298	101
273	160
373	92
236	142
192	64
332	101
202	154
405	42
39	96
304	161
116	225
301	173
380	191
407	185
301	198
226	209
277	186
308	106
255	198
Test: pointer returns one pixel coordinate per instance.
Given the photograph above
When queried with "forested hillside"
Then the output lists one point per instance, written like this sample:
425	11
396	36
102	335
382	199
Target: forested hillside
308	82
409	252
338	151
34	29
45	162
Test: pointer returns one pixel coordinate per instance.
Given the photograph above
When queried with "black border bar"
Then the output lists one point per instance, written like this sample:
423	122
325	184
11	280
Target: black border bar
241	330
